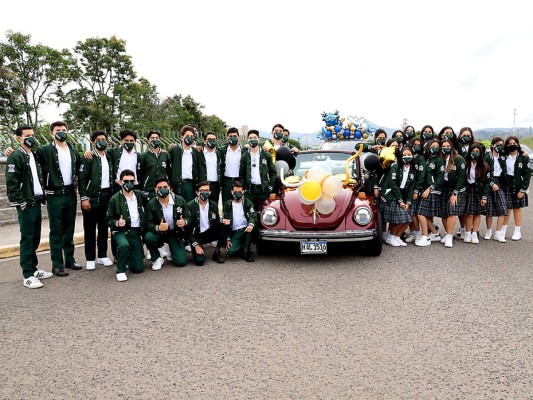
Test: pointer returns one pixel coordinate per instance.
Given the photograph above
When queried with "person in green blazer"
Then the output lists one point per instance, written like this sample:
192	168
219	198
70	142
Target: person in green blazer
126	217
154	163
24	183
60	163
240	219
95	182
213	166
167	215
187	165
257	171
205	225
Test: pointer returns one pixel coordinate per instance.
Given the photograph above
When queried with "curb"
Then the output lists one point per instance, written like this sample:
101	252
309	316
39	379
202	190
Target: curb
14	250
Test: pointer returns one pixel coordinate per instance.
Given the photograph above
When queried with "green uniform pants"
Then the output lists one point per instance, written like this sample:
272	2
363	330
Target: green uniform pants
154	240
129	250
62	218
30	237
214	187
257	195
187	191
240	241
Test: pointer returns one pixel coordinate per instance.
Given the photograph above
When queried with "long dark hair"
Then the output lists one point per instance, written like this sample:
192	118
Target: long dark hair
467	129
507	144
482	167
428	144
453	153
455	142
422	132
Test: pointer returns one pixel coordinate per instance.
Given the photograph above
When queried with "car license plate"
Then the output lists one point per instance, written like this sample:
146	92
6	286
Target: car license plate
313	247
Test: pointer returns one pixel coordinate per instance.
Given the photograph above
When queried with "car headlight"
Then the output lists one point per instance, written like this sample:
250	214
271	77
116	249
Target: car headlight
362	216
269	216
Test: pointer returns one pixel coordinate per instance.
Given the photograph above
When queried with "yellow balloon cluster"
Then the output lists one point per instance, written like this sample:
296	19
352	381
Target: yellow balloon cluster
320	189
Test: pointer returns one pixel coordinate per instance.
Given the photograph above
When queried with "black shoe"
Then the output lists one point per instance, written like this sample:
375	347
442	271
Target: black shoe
247	257
59	272
217	256
73	265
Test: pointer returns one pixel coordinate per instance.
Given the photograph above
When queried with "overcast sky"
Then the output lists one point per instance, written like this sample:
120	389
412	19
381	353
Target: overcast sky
458	63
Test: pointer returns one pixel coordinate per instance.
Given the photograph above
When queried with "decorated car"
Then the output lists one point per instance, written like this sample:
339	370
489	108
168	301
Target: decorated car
321	201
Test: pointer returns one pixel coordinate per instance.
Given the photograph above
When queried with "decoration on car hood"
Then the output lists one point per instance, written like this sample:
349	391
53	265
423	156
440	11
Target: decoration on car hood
351	127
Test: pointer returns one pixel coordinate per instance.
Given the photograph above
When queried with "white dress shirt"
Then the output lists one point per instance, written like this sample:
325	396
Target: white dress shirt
128	161
135	218
446	168
105	171
65	164
239	219
471	178
186	164
233	162
510	164
406	169
498	168
211	163
254	165
37	188
168	212
204	217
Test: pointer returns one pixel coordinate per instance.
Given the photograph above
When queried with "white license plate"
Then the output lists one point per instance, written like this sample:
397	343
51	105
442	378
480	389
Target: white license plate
313	247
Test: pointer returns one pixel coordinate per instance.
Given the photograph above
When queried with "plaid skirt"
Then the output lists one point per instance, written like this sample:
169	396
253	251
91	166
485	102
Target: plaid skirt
446	209
497	201
513	201
393	213
429	207
473	201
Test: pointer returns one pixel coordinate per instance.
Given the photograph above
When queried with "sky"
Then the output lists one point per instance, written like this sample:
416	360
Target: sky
457	63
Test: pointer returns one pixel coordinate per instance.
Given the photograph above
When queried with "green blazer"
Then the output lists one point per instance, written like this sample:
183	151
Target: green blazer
114	155
19	179
152	167
223	152
456	176
154	213
482	186
522	174
489	158
199	173
419	163
267	170
249	212
434	175
90	178
118	206
194	227
220	165
391	181
48	158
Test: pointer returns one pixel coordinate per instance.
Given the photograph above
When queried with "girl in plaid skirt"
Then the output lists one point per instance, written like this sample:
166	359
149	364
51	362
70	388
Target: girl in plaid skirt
453	199
478	178
465	139
418	163
518	177
496	201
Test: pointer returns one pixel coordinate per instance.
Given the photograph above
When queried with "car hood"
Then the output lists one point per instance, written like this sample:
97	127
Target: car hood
301	215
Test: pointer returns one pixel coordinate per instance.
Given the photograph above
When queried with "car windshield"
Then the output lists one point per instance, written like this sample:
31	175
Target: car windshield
330	162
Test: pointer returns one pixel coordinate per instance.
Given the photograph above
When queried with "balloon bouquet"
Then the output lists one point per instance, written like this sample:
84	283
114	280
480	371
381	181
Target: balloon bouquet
349	128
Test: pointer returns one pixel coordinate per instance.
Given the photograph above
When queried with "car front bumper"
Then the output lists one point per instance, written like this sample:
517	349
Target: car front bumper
359	235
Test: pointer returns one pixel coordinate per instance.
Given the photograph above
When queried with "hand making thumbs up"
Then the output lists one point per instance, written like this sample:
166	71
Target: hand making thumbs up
180	222
163	226
121	222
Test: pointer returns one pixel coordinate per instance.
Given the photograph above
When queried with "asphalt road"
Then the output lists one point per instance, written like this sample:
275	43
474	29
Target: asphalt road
415	323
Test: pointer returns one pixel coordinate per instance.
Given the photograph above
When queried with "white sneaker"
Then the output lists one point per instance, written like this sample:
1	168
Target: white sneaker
91	266
40	274
475	239
106	262
32	283
500	237
162	252
121	277
411	238
385	236
391	242
148	256
423	241
517	235
443	239
213	244
188	248
400	241
434	237
448	241
488	235
156	266
468	237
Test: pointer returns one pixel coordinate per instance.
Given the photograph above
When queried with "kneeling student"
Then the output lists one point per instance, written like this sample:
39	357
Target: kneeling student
205	225
166	216
240	218
126	218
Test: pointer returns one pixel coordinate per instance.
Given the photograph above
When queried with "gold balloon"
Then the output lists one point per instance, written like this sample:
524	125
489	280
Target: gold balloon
387	156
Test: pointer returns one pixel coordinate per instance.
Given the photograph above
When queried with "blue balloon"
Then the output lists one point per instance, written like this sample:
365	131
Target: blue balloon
346	133
323	130
328	134
358	135
338	128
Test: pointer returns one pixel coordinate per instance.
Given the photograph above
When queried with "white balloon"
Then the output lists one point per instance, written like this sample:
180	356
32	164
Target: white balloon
315	173
332	186
325	205
282	164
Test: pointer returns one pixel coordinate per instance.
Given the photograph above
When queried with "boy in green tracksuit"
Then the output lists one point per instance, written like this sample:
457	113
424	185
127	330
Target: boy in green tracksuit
240	219
95	179
60	163
187	165
24	182
153	164
126	218
166	217
257	171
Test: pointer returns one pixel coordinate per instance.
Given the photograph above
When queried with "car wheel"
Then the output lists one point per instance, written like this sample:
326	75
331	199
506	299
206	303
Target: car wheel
373	248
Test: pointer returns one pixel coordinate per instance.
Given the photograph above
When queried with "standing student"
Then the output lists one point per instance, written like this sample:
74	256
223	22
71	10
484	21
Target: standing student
477	191
380	139
126	218
496	200
448	133
257	170
285	141
429	205
453	199
95	180
409	133
153	164
518	177
60	163
466	138
213	166
400	139
24	183
231	163
427	134
124	157
419	164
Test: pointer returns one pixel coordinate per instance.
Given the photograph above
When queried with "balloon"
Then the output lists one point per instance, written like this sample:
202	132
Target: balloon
328	134
282	164
310	190
346	133
331	186
315	173
371	162
283	153
387	156
304	201
338	128
325	205
292	162
358	135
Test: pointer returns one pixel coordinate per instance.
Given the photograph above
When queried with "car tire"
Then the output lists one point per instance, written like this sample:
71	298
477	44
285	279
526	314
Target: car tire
374	247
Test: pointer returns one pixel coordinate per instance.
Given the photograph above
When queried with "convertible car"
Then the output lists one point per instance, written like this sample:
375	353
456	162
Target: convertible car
321	201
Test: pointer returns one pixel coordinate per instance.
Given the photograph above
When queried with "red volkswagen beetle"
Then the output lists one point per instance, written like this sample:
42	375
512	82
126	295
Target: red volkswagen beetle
350	215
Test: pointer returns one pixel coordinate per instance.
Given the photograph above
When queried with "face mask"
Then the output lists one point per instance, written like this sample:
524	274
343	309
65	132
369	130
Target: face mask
61	136
211	144
155	143
409	135
433	150
233	140
285	139
417	149
399	139
128	186
449	136
446	150
407	159
129	146
278	135
499	148
101	145
466	139
188	140
381	142
427	135
237	195
253	142
474	155
30	141
163	192
512	147
204	195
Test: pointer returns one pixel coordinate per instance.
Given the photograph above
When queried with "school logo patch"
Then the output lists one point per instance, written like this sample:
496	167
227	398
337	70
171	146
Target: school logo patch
82	166
252	209
421	168
213	216
432	166
264	161
11	168
164	164
454	168
519	165
178	209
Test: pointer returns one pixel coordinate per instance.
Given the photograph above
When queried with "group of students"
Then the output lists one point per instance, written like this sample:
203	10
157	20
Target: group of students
452	177
151	198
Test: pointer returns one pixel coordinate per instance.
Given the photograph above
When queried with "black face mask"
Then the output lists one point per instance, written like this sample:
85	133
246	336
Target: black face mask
433	151
61	136
407	160
211	144
233	140
163	192
466	139
381	142
409	135
399	139
101	145
285	139
188	140
278	135
129	146
498	149
155	143
237	195
512	147
475	155
204	195
427	135
417	149
446	150
128	186
253	142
